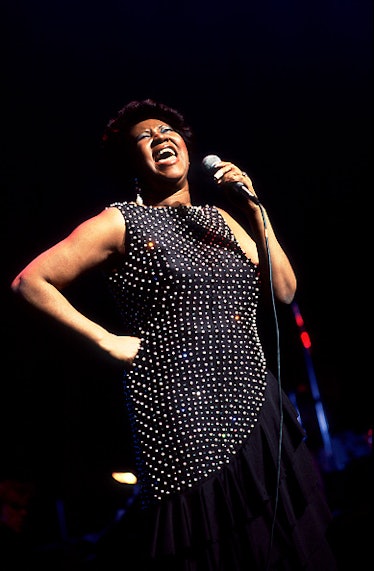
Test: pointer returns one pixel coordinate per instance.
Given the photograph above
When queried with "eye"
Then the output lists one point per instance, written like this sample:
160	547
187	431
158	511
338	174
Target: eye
143	135
165	129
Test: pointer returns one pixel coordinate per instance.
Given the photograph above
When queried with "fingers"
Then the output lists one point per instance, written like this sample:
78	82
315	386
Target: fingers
228	172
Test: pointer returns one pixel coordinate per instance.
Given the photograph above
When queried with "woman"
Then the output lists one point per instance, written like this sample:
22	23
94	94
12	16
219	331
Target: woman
206	414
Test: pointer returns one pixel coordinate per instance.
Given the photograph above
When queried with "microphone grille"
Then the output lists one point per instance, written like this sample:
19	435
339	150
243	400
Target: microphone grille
210	162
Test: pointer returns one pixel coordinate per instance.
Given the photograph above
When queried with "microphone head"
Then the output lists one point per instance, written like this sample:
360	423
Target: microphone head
210	162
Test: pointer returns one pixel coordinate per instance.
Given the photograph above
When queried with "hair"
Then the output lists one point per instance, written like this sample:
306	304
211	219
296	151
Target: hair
116	140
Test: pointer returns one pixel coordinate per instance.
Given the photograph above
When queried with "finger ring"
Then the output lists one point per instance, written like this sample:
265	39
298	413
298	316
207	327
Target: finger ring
244	173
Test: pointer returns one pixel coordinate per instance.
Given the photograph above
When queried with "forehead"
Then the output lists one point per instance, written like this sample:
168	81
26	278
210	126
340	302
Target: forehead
146	124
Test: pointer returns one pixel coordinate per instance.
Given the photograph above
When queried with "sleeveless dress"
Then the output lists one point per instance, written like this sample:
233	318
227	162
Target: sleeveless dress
205	411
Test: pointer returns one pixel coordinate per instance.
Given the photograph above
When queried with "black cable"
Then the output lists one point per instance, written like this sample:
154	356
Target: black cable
279	390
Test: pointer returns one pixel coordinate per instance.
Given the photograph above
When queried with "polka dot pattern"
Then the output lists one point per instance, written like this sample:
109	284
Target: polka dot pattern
196	386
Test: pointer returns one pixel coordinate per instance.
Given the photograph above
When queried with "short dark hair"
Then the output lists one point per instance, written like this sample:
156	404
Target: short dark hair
115	139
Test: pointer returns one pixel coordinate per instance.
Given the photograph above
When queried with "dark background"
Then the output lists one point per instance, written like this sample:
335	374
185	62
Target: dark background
281	88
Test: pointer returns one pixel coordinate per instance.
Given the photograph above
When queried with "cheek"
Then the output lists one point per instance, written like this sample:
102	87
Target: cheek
184	151
187	159
144	161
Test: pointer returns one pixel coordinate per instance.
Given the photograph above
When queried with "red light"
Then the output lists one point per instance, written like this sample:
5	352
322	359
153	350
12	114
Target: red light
298	317
305	339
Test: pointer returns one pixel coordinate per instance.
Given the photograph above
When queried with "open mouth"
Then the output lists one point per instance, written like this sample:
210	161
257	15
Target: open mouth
164	154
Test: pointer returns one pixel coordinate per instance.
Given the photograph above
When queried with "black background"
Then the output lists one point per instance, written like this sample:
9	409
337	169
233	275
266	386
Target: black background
281	88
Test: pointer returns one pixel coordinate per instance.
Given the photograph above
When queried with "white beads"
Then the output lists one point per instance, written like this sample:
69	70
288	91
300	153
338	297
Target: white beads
196	388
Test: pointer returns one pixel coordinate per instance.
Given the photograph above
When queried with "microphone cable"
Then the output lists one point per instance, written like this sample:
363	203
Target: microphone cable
210	164
276	502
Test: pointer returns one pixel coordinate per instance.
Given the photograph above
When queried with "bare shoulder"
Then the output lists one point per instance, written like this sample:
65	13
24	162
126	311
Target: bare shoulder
106	228
111	215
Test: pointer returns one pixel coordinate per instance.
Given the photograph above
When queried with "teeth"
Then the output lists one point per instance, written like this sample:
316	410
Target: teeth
166	150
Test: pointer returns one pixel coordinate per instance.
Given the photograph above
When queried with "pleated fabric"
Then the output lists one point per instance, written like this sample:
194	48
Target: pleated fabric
238	519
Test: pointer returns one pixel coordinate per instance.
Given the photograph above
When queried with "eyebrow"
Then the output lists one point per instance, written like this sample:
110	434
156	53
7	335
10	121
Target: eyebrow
158	127
148	129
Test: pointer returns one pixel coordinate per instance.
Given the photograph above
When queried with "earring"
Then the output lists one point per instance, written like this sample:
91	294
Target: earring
139	199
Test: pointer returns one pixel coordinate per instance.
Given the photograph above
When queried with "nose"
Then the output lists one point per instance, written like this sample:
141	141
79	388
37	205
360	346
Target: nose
159	135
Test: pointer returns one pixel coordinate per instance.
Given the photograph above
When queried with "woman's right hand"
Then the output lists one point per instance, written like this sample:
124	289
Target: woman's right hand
121	347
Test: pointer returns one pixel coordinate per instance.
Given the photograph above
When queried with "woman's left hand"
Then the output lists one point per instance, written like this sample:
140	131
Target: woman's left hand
229	173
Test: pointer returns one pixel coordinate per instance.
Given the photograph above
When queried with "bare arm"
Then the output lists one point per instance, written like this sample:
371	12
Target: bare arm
42	281
283	276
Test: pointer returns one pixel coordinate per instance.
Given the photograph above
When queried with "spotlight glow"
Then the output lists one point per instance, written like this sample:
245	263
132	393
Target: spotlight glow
124	477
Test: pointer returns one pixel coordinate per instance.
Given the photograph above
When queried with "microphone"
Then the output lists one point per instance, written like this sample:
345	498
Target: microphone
210	163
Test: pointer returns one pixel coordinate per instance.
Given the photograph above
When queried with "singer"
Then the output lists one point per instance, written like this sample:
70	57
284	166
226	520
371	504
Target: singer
205	409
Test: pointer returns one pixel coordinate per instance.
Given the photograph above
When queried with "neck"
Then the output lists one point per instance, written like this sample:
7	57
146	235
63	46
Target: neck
178	198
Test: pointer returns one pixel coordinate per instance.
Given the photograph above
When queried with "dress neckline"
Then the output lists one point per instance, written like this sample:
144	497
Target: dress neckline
168	206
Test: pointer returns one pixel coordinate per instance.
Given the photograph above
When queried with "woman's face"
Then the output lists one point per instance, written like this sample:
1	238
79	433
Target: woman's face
161	152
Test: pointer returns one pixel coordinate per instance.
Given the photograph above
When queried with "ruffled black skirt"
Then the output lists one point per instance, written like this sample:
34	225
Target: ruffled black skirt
237	519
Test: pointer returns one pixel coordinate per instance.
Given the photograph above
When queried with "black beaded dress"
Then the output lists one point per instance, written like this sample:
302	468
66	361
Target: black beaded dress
204	409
